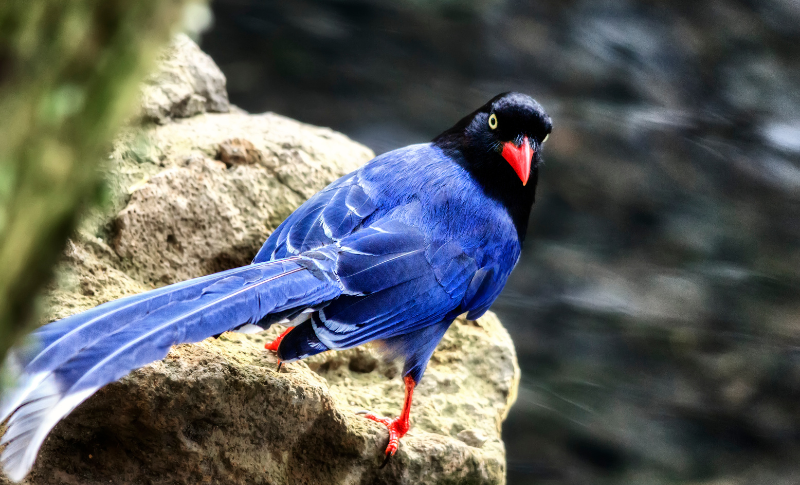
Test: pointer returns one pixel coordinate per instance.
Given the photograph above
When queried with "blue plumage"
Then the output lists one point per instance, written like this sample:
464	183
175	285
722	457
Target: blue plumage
392	252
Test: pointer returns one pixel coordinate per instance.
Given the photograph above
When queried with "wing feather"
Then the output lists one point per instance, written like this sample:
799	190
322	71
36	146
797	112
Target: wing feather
395	282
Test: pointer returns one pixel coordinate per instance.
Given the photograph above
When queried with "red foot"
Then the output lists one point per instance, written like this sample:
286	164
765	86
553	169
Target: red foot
398	427
273	346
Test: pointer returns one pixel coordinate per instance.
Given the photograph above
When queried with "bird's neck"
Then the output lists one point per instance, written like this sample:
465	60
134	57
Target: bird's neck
488	169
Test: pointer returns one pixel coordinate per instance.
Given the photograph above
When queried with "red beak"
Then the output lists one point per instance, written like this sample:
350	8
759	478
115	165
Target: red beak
519	157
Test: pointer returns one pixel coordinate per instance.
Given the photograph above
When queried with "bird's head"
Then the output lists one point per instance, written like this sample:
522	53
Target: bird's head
500	145
502	137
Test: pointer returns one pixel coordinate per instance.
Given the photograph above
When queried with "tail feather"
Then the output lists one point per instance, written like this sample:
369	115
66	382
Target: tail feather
56	343
59	338
80	354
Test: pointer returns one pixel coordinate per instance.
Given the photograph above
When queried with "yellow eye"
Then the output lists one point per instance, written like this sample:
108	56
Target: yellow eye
546	137
493	121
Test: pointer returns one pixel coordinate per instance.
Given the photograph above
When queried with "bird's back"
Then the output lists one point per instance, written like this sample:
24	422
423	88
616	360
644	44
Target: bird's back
417	185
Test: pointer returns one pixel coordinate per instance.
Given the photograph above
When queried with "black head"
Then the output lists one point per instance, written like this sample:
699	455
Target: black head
500	144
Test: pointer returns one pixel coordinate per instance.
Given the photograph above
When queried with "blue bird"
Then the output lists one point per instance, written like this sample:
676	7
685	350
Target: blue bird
392	252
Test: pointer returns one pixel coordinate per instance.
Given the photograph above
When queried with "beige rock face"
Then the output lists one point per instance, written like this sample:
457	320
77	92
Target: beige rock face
187	82
199	215
218	411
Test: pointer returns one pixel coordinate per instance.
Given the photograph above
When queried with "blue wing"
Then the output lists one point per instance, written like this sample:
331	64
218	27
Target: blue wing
325	218
395	277
398	287
395	281
398	274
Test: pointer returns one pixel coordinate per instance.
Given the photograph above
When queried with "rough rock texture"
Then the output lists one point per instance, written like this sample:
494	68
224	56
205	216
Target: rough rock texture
198	215
186	83
218	411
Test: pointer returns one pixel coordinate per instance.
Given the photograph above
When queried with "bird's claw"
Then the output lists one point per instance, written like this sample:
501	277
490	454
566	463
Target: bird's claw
397	429
386	460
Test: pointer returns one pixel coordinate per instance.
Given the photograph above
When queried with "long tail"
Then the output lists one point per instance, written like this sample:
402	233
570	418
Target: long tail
69	360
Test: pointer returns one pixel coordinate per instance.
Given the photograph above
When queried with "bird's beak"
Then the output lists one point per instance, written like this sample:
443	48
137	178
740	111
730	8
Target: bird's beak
519	157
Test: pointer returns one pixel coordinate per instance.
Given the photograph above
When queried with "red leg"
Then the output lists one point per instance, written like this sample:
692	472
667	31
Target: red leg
398	427
273	346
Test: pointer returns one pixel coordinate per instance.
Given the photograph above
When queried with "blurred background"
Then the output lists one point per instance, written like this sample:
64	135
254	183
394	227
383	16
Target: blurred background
656	309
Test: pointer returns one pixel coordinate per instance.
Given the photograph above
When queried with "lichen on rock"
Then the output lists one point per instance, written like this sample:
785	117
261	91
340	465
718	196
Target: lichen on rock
219	411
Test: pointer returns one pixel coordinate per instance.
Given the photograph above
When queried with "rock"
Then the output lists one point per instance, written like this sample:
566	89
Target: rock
186	83
198	216
196	195
472	437
238	152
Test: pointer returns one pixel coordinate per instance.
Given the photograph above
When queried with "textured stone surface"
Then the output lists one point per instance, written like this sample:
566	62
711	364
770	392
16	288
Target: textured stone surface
186	83
198	215
217	411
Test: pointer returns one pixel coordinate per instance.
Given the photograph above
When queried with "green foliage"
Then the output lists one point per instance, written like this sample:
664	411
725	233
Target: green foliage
68	79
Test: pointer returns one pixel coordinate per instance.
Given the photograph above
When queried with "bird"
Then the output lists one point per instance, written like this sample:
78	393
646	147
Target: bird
392	252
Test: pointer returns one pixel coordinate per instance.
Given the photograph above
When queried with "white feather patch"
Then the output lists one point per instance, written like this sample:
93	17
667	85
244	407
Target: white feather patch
35	418
249	329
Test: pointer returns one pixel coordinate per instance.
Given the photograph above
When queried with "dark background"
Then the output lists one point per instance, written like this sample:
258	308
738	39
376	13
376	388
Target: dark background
656	309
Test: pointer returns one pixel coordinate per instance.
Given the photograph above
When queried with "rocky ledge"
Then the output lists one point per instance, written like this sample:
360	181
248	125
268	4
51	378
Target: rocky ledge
195	187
